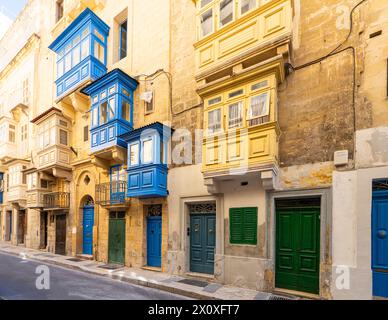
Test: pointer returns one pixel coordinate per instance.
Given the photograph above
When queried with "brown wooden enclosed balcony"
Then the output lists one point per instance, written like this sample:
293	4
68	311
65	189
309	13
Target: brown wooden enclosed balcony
112	194
56	201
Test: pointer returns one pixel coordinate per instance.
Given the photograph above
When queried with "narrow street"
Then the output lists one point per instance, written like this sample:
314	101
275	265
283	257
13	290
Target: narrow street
18	282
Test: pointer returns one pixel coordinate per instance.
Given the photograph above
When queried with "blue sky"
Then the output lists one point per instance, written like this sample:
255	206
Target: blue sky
11	8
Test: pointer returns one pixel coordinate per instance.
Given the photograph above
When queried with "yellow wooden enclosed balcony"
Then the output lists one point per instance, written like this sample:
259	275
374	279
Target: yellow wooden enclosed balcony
241	129
231	31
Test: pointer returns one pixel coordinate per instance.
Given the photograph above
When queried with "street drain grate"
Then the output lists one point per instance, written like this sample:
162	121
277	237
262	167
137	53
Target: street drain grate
75	260
279	298
195	283
111	266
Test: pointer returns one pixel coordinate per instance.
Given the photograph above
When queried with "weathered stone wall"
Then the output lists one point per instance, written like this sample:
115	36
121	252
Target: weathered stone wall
316	111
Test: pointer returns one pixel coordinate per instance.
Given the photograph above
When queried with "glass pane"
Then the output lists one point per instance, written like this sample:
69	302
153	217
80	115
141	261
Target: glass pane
67	62
134	154
247	5
259	106
63	137
95	117
114	173
207	22
123	40
76	55
126	93
103	112
84	49
148	156
99	52
60	66
85	32
112	107
214	121
226	12
125	111
99	35
205	2
235	115
76	40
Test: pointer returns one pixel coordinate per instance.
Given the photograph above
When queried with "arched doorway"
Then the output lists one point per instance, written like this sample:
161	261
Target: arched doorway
88	223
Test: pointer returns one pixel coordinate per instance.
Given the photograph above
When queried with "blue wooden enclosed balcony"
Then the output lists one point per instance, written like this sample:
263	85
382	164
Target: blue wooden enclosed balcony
147	161
111	110
81	53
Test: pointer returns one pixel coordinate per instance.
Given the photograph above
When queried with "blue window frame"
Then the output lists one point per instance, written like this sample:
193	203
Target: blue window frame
123	33
81	52
111	109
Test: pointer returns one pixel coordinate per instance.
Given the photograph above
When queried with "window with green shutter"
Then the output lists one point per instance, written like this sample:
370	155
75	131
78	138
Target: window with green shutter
243	226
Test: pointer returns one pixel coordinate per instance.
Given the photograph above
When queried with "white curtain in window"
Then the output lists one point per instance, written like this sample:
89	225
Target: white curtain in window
235	115
259	106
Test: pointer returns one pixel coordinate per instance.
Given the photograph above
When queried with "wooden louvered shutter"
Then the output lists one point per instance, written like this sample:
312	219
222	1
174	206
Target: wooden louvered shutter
250	226
243	226
236	225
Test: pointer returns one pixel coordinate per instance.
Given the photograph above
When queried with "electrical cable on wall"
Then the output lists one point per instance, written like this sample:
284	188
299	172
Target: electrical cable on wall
337	51
159	73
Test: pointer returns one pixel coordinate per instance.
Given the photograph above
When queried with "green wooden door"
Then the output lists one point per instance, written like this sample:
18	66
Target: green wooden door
298	249
116	241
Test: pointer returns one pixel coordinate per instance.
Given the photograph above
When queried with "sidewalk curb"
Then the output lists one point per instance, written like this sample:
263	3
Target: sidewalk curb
143	283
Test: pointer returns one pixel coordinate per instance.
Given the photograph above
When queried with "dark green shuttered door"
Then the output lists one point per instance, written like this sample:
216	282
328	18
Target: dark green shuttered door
117	240
243	226
298	249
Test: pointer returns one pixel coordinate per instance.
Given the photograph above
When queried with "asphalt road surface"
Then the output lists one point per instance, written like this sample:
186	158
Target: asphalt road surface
18	282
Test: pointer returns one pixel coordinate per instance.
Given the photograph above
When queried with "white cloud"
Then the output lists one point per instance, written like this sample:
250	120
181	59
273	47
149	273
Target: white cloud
5	23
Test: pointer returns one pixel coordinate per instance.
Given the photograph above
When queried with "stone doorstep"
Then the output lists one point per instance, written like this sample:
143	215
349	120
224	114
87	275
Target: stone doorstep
122	275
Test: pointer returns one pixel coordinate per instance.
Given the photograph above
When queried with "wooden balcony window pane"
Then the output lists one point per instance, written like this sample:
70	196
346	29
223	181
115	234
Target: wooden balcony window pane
112	107
207	23
247	5
235	115
95	117
99	51
125	111
134	154
214	121
148	154
67	62
60	66
103	112
84	48
205	2
226	12
63	138
76	55
259	108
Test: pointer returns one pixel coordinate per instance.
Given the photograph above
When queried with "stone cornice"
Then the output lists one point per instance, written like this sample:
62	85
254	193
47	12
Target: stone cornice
34	39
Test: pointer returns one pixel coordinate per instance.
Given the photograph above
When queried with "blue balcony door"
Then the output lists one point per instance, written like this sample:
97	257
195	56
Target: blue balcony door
117	190
202	242
380	243
154	241
88	223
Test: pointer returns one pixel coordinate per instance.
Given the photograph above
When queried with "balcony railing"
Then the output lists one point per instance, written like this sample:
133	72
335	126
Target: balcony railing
57	200
111	193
